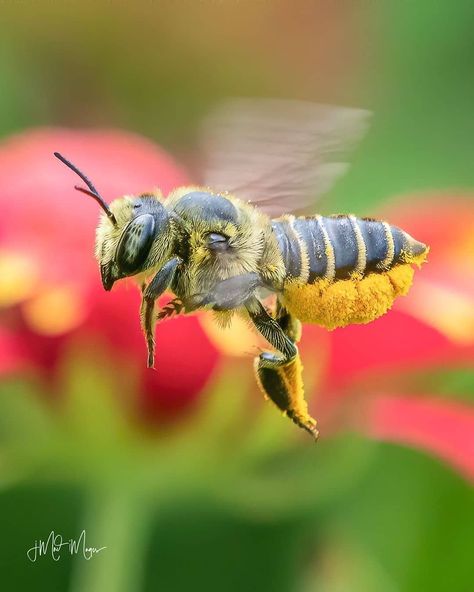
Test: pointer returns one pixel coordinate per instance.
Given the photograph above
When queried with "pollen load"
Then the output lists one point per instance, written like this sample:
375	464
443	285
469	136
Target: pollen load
342	269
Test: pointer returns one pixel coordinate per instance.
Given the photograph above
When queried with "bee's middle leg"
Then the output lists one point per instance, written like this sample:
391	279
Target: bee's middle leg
279	375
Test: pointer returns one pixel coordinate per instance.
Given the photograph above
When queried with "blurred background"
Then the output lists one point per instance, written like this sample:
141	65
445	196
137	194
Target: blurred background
186	476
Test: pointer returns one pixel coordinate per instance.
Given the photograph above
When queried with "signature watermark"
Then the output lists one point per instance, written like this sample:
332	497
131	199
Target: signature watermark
55	544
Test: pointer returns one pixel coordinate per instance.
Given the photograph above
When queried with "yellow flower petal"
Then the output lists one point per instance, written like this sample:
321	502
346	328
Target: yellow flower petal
55	310
448	311
18	277
236	340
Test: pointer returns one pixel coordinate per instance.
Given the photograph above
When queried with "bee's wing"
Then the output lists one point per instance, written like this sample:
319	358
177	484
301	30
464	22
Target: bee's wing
279	154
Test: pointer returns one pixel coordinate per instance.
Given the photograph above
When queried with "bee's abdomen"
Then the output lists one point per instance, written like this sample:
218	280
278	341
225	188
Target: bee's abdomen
339	247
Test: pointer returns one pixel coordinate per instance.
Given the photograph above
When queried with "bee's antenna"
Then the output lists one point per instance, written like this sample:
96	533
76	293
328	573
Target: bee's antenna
92	191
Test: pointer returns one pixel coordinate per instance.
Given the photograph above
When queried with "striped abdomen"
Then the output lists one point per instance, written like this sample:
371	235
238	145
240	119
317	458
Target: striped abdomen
339	247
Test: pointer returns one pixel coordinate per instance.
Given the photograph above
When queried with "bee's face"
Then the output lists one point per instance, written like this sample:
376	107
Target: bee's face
123	248
133	233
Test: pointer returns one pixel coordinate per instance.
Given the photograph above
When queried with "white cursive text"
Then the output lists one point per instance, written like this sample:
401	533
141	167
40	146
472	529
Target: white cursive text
55	543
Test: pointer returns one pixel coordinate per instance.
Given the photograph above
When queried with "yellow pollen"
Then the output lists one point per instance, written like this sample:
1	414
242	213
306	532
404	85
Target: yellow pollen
343	302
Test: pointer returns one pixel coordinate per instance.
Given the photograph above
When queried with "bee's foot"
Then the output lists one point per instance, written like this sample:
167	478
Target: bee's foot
306	422
150	363
175	306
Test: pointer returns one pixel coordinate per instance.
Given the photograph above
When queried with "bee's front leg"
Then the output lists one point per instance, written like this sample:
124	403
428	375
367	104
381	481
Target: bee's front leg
280	375
150	293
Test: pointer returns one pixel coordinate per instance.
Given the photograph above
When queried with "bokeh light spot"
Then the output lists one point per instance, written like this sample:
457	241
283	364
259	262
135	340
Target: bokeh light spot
54	310
18	277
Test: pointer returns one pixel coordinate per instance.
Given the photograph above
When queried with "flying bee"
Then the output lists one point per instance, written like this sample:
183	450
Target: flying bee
220	247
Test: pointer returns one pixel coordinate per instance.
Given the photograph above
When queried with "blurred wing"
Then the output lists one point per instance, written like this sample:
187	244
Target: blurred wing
281	155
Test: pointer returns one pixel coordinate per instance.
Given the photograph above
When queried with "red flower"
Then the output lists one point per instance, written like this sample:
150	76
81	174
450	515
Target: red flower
50	284
441	427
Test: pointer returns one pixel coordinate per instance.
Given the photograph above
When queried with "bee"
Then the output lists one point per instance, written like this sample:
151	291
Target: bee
216	251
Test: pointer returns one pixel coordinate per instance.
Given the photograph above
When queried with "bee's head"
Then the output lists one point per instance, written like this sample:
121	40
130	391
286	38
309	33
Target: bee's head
125	238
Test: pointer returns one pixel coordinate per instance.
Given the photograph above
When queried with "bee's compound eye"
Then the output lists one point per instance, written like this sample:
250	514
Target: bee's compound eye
135	243
217	242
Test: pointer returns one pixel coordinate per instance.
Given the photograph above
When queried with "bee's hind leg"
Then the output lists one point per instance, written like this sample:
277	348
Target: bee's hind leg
290	324
280	375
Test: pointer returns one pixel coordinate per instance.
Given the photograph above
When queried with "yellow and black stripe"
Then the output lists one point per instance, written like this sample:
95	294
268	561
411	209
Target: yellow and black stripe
341	247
